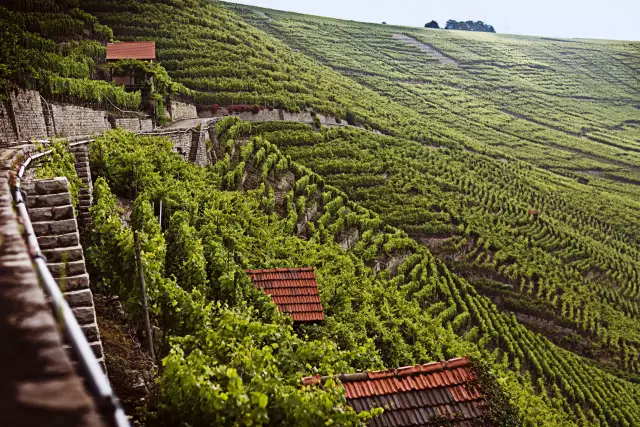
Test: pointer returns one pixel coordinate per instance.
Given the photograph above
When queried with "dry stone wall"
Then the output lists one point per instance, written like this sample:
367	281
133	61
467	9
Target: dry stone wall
180	111
7	132
133	124
25	115
73	120
85	194
39	384
26	106
275	115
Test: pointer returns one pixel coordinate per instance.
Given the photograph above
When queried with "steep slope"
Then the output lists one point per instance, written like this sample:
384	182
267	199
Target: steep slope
566	105
508	257
54	47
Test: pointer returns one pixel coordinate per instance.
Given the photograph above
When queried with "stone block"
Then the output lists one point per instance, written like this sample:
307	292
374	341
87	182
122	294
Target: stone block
43	201
61	241
55	228
51	186
74	283
85	315
69	269
81	298
51	213
64	254
91	332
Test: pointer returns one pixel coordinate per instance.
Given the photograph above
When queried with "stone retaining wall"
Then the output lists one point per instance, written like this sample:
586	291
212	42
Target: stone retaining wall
180	111
73	120
133	124
276	115
24	115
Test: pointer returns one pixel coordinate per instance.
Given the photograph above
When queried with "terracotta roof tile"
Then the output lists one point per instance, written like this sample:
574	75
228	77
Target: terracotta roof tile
131	50
414	395
293	290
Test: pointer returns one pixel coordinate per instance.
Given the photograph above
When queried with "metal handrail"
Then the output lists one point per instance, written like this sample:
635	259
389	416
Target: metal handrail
98	383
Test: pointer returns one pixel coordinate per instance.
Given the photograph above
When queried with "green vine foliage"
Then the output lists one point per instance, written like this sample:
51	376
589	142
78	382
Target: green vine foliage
55	52
60	163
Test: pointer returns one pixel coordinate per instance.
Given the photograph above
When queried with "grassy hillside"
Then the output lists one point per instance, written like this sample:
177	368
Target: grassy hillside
477	130
566	105
570	272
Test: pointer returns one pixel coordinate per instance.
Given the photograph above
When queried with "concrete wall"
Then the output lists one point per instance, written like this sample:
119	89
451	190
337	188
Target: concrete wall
180	111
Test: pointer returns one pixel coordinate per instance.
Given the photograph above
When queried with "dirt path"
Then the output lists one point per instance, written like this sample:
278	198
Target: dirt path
426	48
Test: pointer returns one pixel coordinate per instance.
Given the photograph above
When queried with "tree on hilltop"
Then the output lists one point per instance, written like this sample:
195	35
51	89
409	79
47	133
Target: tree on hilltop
469	26
432	24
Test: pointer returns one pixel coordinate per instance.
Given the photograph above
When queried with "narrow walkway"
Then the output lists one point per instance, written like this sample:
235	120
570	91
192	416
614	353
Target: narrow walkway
426	48
38	384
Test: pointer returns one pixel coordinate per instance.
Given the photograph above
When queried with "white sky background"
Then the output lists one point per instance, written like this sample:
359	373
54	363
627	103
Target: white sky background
610	19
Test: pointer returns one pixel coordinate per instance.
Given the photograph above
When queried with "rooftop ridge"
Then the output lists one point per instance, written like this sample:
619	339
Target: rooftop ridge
404	371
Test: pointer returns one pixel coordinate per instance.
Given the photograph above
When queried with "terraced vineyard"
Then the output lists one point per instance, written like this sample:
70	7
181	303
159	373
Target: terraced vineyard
494	212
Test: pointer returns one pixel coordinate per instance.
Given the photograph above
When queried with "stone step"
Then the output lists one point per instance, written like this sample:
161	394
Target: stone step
85	315
96	346
46	186
55	228
91	332
71	253
43	201
84	191
51	213
70	269
79	298
59	241
74	283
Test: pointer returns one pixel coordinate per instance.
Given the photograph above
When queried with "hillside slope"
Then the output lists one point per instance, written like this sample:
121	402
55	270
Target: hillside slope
460	166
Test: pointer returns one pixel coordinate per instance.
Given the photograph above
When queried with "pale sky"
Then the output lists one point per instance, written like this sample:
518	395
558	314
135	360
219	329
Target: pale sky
610	19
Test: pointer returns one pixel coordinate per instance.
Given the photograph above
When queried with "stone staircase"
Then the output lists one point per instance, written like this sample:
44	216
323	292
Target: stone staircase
55	225
85	197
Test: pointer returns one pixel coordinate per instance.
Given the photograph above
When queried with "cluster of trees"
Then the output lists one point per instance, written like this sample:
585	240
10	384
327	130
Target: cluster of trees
469	26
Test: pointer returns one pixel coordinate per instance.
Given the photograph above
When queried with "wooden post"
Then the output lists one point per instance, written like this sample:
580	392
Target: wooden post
143	296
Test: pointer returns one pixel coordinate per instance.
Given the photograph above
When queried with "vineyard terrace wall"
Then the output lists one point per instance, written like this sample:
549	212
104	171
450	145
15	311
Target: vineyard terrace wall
25	115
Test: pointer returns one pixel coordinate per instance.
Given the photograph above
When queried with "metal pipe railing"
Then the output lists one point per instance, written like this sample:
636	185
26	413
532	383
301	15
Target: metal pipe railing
97	382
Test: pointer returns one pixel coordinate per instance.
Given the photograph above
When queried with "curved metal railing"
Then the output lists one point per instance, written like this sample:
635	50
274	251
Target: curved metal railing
97	382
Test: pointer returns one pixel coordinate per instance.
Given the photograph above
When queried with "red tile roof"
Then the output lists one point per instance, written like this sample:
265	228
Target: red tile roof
131	50
417	395
293	290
